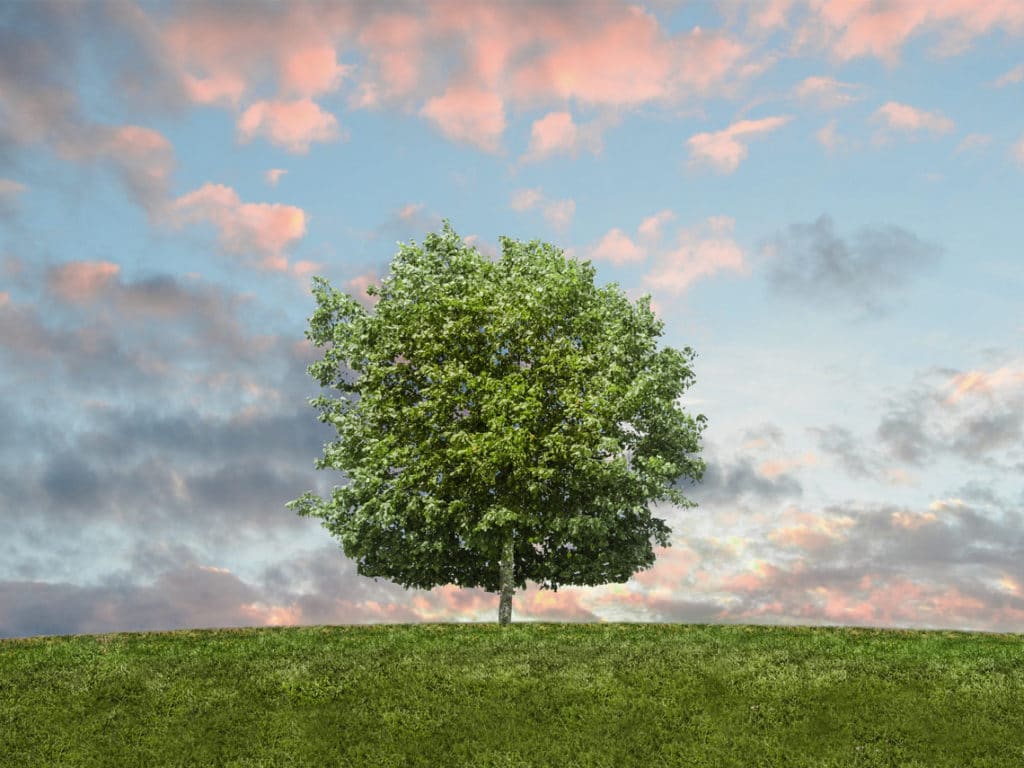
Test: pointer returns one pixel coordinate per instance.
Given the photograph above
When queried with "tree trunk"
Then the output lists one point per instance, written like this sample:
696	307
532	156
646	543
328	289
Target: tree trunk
508	586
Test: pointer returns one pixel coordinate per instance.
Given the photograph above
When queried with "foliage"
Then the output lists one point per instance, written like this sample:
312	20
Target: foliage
486	400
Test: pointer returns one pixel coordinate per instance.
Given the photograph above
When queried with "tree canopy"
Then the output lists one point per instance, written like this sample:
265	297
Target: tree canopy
498	421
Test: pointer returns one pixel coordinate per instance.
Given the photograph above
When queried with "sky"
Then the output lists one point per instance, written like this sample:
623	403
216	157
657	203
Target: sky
822	197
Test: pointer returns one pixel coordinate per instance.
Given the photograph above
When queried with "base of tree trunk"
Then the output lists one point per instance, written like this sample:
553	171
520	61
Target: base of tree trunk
508	586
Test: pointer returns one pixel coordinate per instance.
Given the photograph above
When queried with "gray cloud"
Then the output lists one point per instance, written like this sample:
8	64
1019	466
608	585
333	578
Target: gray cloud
979	492
811	263
948	536
92	355
902	432
841	444
405	224
142	75
158	464
10	191
1000	428
108	435
42	45
38	54
726	483
185	591
322	575
927	421
888	565
667	609
121	337
764	435
185	596
973	416
118	435
71	482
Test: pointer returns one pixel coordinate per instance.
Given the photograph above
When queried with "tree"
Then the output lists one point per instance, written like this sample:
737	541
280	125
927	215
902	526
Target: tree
508	420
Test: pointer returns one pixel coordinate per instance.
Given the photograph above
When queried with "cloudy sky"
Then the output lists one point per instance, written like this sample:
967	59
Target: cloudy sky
823	198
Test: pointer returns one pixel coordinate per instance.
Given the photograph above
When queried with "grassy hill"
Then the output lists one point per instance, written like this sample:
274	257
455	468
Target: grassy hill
529	695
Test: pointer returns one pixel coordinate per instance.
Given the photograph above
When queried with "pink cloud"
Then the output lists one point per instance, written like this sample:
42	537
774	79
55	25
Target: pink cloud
224	88
760	577
303	269
358	285
221	53
81	281
800	537
452	602
264	228
10	188
563	605
909	119
901	601
470	114
557	133
488	249
266	615
617	248
829	138
912	521
293	125
810	532
135	140
855	28
559	213
775	467
974	384
826	92
1011	77
274	175
973	141
770	14
672	566
409	211
525	199
312	70
626	61
145	160
702	252
972	414
141	157
533	54
492	33
1017	150
1012	585
722	149
650	227
537	54
395	50
865	32
875	601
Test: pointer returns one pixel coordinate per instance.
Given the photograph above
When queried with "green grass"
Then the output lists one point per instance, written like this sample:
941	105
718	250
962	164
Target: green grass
529	695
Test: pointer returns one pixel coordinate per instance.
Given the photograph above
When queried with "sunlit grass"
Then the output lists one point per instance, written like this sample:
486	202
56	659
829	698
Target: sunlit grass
527	695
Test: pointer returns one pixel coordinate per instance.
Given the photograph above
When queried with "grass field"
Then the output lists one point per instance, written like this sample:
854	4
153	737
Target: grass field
529	695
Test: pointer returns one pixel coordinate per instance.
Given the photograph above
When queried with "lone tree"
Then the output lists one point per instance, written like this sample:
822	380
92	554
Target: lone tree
509	421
